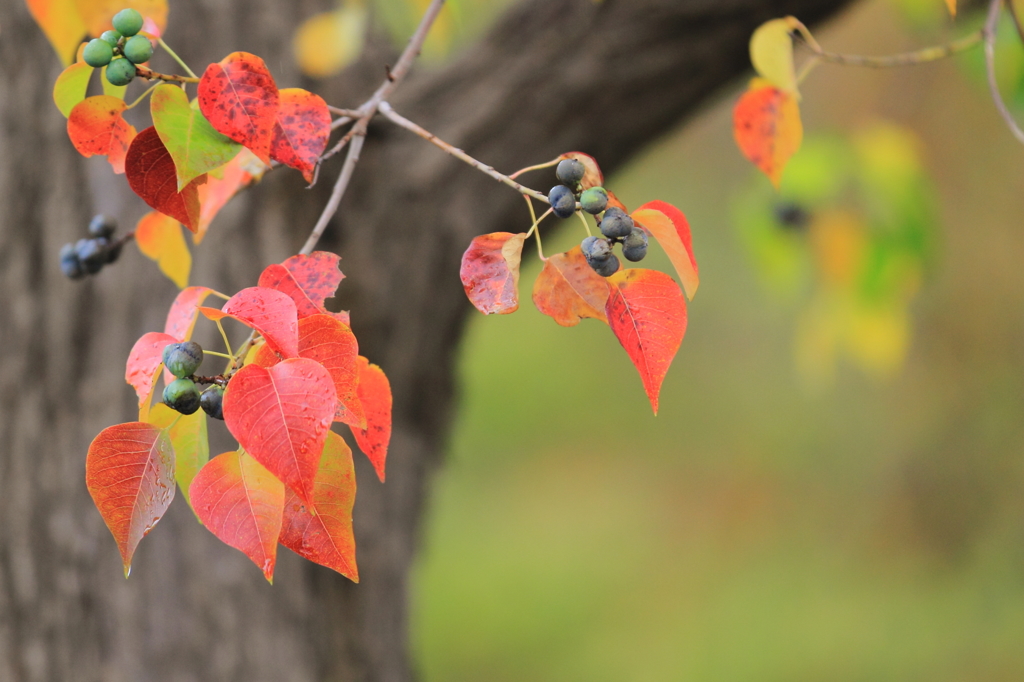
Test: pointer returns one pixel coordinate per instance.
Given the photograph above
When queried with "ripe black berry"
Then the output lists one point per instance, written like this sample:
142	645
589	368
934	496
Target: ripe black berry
69	263
102	226
594	200
127	22
792	216
92	254
616	224
563	202
634	246
606	268
138	49
97	53
569	172
596	249
114	251
182	396
183	359
212	401
120	72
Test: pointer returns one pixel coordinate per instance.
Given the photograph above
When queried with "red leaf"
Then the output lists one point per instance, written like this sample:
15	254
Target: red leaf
269	312
150	171
309	280
242	504
326	538
375	394
301	131
181	318
568	289
129	472
669	226
327	341
647	312
215	194
767	127
96	128
490	272
144	361
239	99
281	416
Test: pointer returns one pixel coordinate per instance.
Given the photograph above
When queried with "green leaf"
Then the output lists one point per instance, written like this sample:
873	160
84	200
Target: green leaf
191	141
189	439
71	86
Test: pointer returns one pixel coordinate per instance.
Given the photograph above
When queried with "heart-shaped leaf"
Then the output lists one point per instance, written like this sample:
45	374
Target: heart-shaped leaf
239	98
151	174
669	226
309	280
71	86
647	312
97	128
129	472
193	144
242	504
269	312
301	131
375	395
490	272
326	538
568	289
188	436
771	53
281	416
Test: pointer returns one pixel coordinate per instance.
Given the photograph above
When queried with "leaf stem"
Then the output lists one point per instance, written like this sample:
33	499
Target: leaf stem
989	32
586	225
547	164
143	96
224	336
218	355
536	222
176	58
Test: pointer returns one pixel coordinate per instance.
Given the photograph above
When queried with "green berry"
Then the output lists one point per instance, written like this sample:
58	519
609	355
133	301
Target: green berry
563	202
182	396
97	53
634	246
594	200
128	22
606	268
569	172
120	72
183	359
111	37
138	49
102	226
616	224
212	401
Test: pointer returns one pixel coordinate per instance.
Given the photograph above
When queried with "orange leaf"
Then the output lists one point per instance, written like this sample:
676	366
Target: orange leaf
269	312
62	23
490	272
326	538
143	362
301	130
242	504
375	395
767	127
96	128
951	5
151	175
159	238
181	318
98	13
647	312
222	186
239	98
568	289
309	280
281	417
129	472
669	226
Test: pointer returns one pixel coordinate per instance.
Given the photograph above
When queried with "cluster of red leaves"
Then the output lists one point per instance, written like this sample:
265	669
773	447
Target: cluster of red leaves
291	481
645	309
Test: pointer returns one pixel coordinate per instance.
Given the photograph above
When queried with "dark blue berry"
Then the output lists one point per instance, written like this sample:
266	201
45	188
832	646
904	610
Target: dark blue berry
596	249
594	200
102	226
114	251
608	267
569	172
92	254
616	224
182	396
634	246
563	201
183	359
69	263
792	216
212	401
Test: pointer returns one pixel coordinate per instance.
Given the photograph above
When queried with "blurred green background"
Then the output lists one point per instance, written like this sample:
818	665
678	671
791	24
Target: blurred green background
756	529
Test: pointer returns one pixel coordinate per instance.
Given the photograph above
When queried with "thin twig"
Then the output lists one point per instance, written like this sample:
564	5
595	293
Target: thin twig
990	66
143	72
348	113
398	119
175	57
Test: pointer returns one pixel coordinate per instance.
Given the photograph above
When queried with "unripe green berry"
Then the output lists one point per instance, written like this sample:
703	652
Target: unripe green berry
127	22
183	359
569	172
563	201
97	53
212	401
111	37
594	200
120	72
182	396
616	224
634	246
138	49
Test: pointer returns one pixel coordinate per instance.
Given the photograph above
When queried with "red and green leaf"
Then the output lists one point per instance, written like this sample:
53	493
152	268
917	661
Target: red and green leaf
97	128
767	127
301	131
281	416
159	238
327	537
151	175
129	472
490	272
269	312
193	144
239	98
242	504
189	439
670	227
71	86
375	395
144	360
568	289
647	312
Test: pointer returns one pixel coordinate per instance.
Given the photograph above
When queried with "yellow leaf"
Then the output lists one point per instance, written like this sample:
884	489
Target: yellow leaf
160	238
327	43
62	23
97	14
771	53
951	4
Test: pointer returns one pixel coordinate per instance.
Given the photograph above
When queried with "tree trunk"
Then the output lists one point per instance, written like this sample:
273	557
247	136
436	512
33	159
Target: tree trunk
552	76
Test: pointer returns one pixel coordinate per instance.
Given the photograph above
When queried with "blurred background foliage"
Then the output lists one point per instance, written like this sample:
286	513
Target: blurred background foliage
834	487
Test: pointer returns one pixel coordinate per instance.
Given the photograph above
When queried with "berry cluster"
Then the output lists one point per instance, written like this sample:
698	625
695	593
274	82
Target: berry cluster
121	49
182	360
88	256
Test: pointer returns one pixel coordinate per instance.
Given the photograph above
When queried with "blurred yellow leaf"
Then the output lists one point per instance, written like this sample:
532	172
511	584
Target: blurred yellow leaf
838	242
951	4
160	238
771	53
878	337
97	14
327	43
62	24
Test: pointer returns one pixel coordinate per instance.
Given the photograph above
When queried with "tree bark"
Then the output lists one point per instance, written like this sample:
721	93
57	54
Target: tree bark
552	76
